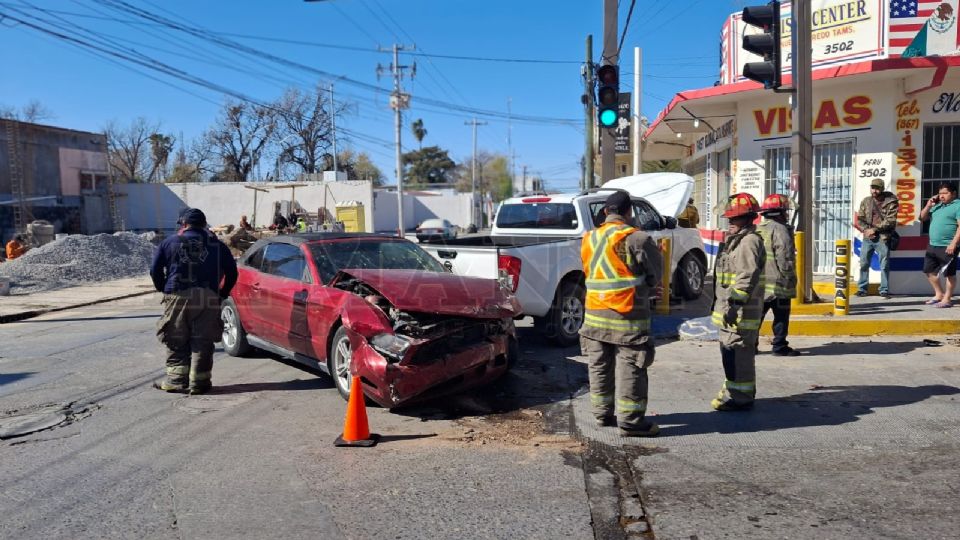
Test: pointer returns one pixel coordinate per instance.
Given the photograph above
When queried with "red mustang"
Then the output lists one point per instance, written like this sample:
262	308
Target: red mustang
371	305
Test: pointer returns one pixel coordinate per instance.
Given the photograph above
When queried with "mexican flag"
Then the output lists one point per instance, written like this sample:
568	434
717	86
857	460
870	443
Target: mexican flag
938	35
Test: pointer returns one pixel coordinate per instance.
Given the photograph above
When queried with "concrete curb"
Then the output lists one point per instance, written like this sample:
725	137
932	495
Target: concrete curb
23	315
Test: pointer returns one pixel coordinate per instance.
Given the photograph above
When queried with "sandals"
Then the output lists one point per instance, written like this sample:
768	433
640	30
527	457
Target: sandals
932	301
943	305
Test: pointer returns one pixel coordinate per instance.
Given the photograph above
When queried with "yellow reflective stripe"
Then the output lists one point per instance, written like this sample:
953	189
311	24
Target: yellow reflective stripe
774	288
200	375
600	245
601	399
614	284
747	386
178	370
742	324
737	294
623	325
726	279
629	406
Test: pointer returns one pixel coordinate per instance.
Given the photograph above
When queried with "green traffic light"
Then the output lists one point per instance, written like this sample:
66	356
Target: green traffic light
608	118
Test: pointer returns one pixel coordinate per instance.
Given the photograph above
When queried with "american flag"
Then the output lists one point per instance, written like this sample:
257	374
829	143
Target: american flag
907	18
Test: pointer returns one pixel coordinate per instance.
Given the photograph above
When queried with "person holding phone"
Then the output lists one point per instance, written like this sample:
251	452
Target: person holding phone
876	219
943	212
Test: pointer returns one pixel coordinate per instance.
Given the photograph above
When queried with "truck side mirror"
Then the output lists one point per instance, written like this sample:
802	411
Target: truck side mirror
670	222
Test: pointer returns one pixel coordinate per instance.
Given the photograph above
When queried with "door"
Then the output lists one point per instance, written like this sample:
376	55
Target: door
246	293
283	294
832	201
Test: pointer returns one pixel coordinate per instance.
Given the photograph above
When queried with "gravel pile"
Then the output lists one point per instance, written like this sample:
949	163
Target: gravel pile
79	259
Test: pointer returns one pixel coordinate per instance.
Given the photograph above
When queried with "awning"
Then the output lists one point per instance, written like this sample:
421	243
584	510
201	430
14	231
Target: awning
693	113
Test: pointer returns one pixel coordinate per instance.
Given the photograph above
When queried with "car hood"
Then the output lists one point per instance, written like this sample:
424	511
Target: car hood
667	192
440	293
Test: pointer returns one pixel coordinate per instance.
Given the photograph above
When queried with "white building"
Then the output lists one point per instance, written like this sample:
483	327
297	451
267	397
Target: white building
875	115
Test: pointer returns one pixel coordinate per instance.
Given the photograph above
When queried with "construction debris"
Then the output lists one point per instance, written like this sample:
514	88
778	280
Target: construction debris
80	259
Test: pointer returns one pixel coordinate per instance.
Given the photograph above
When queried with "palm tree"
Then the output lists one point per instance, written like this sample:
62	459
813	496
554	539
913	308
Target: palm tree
160	147
418	131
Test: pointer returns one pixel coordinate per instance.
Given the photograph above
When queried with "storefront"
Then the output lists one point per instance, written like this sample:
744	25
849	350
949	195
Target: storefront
897	119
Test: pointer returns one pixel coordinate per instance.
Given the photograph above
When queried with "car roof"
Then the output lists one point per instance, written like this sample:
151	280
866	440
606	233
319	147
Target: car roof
305	238
436	220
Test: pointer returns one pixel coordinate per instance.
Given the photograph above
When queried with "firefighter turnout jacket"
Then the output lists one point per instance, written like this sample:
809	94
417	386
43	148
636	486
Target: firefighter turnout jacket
740	283
621	264
780	270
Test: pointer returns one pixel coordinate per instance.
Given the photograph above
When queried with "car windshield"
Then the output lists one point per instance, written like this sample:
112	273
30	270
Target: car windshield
537	216
331	257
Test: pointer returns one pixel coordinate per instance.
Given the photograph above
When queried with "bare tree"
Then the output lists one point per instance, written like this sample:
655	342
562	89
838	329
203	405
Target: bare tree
32	112
128	149
240	137
305	130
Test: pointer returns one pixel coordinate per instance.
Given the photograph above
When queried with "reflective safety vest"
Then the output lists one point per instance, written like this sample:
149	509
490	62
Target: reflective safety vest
610	282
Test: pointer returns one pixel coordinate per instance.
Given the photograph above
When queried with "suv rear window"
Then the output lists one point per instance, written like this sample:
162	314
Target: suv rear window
537	216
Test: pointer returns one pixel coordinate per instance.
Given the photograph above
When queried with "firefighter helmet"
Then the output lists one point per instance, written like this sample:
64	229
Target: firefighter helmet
741	204
775	203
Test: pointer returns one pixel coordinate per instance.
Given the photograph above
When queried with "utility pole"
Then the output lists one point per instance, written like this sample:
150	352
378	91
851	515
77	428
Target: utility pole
333	126
801	150
611	56
473	182
524	180
511	156
398	102
588	151
637	88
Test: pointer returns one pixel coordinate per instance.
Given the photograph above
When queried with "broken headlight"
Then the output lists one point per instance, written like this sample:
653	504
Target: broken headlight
391	346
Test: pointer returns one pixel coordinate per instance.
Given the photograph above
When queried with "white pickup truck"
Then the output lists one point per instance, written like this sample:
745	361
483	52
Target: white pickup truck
534	247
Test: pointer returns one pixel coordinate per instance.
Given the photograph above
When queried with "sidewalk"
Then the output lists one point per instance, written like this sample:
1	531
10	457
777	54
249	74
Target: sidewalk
19	307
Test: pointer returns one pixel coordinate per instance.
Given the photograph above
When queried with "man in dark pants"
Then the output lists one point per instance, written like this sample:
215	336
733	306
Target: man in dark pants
194	271
780	270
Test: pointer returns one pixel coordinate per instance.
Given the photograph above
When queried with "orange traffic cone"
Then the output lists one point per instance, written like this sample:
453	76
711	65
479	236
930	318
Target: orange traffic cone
356	432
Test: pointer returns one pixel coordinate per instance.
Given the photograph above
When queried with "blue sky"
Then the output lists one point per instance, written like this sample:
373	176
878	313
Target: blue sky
84	91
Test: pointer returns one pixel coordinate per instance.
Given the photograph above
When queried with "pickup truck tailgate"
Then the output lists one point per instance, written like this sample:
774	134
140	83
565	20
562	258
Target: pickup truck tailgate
467	261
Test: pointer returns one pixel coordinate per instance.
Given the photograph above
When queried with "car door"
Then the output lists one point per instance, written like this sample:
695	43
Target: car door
650	221
323	304
246	294
283	293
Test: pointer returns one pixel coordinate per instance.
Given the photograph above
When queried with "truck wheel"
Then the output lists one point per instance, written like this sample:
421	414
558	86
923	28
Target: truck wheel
234	338
689	277
562	323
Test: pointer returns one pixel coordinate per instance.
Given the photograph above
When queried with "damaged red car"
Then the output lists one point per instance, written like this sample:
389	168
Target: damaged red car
371	305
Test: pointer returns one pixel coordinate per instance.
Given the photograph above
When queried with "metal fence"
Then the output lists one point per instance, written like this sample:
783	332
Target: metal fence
832	200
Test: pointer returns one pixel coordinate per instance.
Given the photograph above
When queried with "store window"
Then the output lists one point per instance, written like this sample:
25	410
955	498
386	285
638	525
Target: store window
777	166
832	194
941	158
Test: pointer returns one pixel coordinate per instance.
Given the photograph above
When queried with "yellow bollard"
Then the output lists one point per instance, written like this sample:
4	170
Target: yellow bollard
663	303
841	300
798	240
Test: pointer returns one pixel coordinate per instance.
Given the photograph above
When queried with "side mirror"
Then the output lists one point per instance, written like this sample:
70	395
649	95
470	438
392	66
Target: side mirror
670	222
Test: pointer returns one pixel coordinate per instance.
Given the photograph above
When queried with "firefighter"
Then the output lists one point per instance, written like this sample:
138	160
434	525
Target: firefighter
194	271
621	263
738	304
780	270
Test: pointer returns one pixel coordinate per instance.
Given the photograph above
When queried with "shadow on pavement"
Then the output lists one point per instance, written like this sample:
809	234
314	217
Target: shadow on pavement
873	347
827	406
398	438
319	383
82	319
7	378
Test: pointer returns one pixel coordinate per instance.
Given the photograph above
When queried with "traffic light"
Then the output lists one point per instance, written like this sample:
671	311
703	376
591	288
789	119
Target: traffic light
608	96
767	44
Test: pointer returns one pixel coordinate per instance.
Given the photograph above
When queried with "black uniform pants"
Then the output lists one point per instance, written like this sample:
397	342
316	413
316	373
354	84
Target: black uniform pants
781	321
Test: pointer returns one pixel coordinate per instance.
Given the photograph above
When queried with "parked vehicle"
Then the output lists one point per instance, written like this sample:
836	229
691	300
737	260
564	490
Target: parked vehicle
535	247
432	230
370	305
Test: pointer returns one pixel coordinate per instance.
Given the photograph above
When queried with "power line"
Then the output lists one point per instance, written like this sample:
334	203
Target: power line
626	26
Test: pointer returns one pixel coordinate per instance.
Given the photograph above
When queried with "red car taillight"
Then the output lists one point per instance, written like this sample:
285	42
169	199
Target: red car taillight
509	270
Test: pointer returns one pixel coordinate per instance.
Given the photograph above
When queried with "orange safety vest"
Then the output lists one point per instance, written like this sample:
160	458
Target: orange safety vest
610	283
15	249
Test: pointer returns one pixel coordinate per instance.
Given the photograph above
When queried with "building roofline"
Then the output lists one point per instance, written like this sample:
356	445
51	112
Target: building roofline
833	72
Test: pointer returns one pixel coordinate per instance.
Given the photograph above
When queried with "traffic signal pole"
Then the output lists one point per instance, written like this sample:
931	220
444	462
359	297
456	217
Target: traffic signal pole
610	56
588	151
801	152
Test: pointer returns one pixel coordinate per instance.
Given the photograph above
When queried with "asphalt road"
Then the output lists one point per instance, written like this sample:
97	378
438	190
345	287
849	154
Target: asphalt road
857	439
